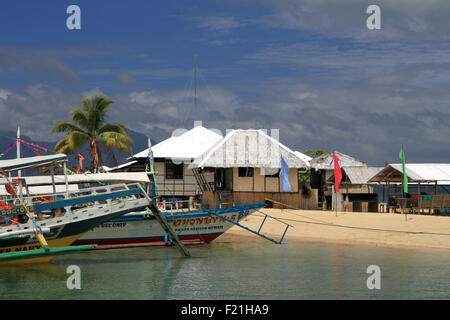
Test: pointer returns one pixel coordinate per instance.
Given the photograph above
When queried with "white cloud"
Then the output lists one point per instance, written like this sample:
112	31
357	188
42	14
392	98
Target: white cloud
220	24
4	94
412	19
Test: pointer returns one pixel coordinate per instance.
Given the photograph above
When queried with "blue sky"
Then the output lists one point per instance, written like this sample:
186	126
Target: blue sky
308	68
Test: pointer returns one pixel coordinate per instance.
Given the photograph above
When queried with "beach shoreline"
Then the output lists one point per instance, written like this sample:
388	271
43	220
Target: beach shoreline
349	228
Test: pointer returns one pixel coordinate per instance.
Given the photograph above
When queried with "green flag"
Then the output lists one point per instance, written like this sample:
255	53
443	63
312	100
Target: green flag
401	155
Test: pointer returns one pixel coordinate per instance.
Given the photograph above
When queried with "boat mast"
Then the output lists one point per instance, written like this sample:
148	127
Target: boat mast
19	173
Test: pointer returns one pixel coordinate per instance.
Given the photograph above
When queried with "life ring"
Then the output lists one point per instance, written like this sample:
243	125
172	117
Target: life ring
40	215
13	223
42	199
10	189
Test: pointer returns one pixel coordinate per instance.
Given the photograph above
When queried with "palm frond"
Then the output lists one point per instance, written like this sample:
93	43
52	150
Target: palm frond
79	117
62	146
76	139
65	126
98	106
115	140
113	127
122	137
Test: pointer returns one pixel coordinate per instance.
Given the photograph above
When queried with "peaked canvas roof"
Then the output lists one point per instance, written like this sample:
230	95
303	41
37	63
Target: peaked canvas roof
325	161
248	148
416	172
189	145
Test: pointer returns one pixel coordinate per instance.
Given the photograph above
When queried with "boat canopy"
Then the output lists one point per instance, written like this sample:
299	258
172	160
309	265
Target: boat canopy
32	162
89	178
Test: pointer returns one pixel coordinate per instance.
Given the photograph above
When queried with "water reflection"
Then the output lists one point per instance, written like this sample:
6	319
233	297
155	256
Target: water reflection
235	270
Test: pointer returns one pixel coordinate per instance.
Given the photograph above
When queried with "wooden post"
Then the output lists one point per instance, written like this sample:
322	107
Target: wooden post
53	180
388	195
420	197
66	179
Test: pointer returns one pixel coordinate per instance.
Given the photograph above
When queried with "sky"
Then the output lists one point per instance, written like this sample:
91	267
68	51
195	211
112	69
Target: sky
309	68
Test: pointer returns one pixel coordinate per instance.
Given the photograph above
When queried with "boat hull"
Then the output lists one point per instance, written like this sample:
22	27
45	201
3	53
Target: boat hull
59	235
139	228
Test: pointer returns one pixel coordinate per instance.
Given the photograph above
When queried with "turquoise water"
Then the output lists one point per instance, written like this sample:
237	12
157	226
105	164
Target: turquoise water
236	270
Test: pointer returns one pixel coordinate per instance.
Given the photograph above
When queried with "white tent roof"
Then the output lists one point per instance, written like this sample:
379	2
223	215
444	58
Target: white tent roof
416	172
248	148
32	162
189	145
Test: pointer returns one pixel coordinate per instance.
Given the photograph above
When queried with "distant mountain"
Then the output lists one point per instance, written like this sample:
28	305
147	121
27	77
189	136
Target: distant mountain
7	138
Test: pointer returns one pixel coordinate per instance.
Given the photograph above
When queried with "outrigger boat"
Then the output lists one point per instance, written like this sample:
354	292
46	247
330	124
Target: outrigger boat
142	226
34	228
202	226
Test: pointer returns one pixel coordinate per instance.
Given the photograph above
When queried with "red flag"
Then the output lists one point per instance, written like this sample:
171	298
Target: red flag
337	173
386	163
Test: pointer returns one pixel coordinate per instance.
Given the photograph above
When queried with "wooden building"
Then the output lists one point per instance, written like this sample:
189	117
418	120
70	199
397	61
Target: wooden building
246	166
424	180
356	193
354	183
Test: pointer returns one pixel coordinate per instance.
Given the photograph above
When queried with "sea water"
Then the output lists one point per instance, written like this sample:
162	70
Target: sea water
254	269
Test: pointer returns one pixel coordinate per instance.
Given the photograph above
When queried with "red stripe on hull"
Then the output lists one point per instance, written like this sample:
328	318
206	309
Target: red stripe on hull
185	239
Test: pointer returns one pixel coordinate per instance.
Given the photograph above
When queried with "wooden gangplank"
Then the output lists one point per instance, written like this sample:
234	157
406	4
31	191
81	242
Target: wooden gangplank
166	227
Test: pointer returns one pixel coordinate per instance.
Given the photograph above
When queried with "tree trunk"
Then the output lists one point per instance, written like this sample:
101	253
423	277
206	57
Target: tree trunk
96	158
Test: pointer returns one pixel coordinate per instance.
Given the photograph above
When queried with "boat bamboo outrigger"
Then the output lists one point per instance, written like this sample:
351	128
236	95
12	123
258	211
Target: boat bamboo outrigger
34	228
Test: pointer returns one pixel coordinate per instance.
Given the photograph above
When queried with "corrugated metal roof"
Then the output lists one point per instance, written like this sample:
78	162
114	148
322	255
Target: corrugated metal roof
416	172
189	145
248	148
304	157
361	175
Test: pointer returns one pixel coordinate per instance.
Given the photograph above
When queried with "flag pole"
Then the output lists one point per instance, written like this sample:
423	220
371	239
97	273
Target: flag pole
404	175
335	196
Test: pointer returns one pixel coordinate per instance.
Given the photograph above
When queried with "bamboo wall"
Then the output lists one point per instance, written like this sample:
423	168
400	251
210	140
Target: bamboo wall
210	199
262	183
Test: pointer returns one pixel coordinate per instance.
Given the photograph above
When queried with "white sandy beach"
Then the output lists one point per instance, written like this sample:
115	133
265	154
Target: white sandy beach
379	229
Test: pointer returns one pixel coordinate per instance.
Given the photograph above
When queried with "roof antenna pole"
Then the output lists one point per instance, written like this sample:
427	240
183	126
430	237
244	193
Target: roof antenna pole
195	86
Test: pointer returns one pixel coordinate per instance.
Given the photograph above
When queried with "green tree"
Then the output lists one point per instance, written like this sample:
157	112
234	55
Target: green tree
88	126
315	152
306	177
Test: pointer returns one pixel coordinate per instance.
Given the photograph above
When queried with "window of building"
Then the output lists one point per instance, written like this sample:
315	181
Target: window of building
174	171
245	172
270	172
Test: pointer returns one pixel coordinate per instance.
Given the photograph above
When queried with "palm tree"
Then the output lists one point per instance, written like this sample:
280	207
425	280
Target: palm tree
88	126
